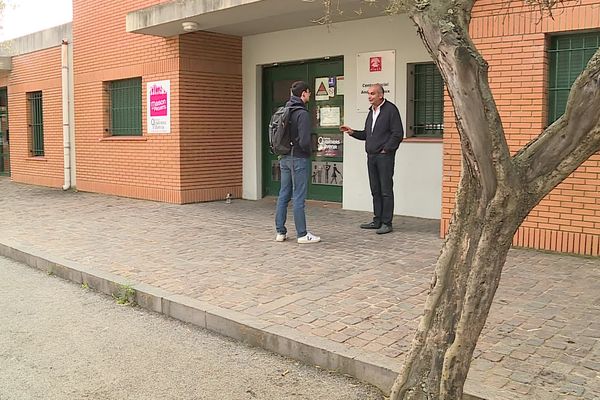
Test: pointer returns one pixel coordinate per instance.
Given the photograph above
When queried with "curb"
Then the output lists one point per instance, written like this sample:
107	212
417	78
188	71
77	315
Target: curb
373	369
241	327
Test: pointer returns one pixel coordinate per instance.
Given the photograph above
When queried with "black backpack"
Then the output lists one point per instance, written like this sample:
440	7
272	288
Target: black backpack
280	139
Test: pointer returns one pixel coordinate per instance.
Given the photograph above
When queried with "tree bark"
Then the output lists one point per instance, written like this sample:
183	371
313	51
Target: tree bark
495	194
465	281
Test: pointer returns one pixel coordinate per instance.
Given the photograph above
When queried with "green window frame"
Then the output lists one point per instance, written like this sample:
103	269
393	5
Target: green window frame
36	123
125	109
4	150
426	118
568	56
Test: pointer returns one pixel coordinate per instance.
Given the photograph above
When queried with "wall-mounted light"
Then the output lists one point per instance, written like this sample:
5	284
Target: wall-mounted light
190	26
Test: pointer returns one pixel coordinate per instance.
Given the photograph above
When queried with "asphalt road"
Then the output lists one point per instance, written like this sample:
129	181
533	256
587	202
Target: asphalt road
61	341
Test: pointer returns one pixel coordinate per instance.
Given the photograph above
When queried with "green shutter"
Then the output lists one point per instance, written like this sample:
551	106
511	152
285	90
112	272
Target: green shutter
4	151
568	56
428	101
126	107
36	123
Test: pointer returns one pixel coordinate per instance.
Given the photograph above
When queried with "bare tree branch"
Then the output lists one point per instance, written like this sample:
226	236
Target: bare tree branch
569	141
444	28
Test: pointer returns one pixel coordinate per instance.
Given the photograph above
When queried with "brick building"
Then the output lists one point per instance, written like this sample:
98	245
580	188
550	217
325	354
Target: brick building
200	159
79	103
31	78
533	63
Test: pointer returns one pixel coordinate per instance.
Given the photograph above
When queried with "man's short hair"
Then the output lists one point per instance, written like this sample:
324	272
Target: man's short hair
379	87
298	87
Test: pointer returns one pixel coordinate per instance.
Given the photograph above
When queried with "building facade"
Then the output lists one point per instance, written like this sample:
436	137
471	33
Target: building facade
533	62
33	85
169	101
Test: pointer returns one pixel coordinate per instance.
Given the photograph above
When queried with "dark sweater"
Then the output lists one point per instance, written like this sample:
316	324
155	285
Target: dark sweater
388	131
300	128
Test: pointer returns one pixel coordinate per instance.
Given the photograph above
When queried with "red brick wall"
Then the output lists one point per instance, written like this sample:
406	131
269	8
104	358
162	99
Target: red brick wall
513	39
211	123
37	71
142	167
200	159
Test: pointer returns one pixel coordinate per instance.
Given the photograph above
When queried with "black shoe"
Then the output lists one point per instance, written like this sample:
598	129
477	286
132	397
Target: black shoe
384	229
370	225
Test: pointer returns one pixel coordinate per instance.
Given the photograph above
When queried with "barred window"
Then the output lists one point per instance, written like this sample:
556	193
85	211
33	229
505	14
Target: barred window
568	56
4	150
125	109
426	108
35	122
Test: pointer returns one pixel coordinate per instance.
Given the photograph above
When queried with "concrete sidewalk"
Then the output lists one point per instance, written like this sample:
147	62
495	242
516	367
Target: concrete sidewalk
351	302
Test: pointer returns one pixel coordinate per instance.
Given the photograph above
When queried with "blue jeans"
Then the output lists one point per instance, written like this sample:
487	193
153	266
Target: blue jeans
294	185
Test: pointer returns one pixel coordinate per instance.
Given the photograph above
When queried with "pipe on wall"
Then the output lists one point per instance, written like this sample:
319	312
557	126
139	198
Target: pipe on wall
66	103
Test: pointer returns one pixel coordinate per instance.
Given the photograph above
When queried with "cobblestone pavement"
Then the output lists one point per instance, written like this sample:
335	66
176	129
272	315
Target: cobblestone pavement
365	291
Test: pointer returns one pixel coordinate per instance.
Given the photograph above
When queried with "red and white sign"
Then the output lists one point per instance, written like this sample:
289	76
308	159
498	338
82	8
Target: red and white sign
375	67
159	107
375	64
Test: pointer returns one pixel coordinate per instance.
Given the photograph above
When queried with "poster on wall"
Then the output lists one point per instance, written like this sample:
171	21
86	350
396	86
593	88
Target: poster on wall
329	116
340	85
375	67
158	97
327	173
331	145
322	89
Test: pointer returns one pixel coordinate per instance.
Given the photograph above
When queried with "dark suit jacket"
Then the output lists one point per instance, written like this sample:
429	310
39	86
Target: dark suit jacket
388	131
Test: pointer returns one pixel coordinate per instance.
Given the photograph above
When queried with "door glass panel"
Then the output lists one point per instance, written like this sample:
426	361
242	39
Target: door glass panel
326	112
327	109
281	91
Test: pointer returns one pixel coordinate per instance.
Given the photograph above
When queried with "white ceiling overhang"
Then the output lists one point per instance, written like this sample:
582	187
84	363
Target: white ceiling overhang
244	17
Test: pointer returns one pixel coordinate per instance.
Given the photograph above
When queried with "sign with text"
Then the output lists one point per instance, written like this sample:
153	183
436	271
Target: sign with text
158	97
376	67
329	116
331	145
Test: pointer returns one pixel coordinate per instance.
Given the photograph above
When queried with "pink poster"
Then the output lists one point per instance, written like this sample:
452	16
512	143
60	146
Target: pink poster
159	116
158	101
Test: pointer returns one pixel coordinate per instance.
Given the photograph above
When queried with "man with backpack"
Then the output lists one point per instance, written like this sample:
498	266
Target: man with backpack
295	166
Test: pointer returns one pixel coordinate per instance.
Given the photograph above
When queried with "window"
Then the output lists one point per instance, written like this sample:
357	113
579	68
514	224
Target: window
35	121
125	107
568	56
4	152
426	108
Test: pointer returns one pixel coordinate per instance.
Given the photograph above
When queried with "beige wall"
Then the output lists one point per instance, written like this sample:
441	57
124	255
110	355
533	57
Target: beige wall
418	178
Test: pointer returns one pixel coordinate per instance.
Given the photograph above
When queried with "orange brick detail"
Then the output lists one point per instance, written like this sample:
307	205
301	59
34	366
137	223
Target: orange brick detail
201	159
37	71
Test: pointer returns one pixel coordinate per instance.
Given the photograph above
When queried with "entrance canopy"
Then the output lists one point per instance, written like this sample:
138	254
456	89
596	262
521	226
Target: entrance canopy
243	17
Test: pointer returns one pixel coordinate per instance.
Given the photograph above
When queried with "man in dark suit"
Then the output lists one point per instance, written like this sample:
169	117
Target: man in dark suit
382	134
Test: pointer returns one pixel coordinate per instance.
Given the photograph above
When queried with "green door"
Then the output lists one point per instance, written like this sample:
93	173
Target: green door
325	78
4	150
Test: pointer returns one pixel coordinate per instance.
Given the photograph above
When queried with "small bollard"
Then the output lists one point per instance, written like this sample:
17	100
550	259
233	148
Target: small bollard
228	198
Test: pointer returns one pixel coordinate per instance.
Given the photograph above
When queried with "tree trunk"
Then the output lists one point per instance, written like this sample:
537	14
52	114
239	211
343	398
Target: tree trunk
465	280
495	194
489	209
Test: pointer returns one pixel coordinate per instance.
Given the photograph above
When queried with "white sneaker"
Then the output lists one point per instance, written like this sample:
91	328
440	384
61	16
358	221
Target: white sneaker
280	237
309	238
